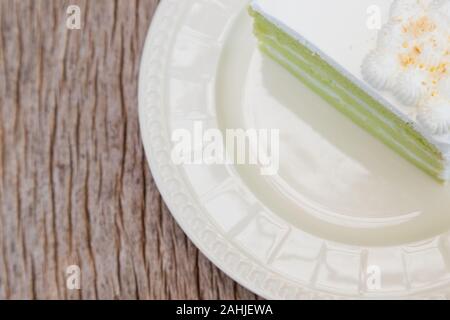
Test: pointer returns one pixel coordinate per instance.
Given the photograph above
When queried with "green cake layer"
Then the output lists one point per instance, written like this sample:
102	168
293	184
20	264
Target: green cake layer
348	98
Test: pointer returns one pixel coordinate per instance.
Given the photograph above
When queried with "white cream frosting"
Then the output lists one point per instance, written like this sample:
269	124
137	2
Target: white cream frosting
417	39
430	56
406	9
442	6
391	36
410	87
381	69
435	115
444	88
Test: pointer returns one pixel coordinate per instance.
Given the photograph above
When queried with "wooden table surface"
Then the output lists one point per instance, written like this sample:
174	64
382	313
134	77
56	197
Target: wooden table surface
75	187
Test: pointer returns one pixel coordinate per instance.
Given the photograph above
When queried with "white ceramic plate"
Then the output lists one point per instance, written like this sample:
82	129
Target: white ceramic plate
344	218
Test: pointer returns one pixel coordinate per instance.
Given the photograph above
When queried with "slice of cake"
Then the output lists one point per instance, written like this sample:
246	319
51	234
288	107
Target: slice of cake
384	63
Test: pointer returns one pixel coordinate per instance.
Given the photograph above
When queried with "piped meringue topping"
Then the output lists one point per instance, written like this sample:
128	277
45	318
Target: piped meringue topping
442	6
411	86
381	69
412	60
435	116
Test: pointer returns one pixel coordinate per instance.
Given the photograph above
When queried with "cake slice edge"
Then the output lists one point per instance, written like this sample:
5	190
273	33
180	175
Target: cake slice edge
349	98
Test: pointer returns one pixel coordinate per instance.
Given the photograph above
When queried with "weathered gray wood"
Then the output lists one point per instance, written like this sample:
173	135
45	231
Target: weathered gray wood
74	183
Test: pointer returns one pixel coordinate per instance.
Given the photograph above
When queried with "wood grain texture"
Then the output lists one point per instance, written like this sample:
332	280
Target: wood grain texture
75	187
